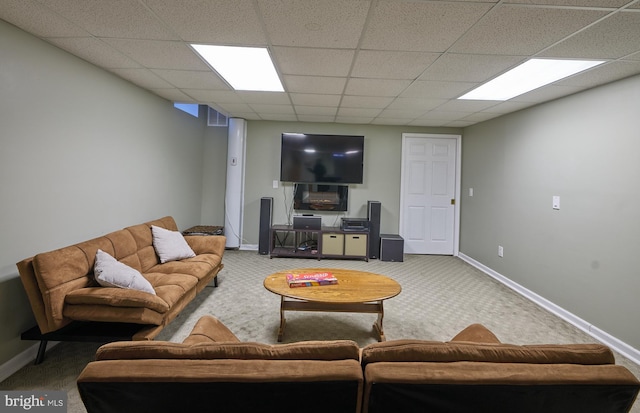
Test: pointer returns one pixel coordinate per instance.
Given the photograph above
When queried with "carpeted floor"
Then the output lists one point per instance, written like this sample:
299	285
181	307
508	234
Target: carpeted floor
440	296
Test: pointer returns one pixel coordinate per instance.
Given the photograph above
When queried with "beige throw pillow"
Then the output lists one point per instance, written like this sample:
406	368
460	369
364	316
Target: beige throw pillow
110	272
170	245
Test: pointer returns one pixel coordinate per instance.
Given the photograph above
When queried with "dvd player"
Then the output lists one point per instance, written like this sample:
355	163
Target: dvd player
355	224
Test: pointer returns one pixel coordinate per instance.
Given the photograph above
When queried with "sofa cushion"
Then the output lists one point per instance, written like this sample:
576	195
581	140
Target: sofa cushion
170	245
109	272
115	297
305	350
476	333
432	351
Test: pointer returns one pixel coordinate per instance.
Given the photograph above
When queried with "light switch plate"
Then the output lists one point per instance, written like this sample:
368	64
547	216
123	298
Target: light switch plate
556	202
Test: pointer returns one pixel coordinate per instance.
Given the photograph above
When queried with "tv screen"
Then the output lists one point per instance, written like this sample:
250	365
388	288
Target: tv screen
309	158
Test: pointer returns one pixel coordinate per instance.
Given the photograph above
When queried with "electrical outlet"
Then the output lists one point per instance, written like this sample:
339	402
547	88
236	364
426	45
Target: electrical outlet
470	191
500	251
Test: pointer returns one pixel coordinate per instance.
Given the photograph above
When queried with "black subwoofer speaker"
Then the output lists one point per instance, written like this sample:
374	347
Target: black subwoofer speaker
266	215
374	209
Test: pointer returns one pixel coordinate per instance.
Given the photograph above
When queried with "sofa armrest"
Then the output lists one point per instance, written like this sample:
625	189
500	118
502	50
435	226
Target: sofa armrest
209	329
204	244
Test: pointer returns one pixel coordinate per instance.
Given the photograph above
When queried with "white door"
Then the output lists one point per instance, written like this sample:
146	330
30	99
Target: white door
428	210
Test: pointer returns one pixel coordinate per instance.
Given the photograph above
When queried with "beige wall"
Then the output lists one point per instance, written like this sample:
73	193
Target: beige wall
382	156
583	257
82	153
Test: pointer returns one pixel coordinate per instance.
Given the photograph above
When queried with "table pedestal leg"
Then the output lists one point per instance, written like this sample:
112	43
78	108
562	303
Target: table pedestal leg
377	326
283	321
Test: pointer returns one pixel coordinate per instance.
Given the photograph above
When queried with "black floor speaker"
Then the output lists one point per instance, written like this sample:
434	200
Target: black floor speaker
266	215
374	209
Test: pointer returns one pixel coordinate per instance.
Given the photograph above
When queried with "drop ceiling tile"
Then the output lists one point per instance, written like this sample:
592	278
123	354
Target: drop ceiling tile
314	62
356	120
358	112
434	89
309	99
481	116
615	36
422	104
37	19
516	30
316	118
312	23
113	18
365	102
191	79
159	54
507	107
231	22
246	115
391	121
610	4
427	122
401	114
633	56
314	84
376	87
95	51
234	107
459	124
316	110
442	115
270	98
546	93
174	95
457	105
469	67
391	65
220	96
279	117
273	109
609	72
420	26
143	78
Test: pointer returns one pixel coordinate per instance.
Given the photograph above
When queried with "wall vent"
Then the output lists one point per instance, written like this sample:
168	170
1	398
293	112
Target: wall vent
216	118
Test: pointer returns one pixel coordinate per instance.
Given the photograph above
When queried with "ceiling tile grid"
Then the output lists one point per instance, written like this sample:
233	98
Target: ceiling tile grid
383	62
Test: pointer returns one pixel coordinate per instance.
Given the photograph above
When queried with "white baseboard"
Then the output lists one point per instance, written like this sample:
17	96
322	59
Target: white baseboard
21	360
621	347
249	247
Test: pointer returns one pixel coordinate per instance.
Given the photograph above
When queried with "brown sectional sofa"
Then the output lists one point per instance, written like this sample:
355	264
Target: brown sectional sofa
473	372
213	371
62	290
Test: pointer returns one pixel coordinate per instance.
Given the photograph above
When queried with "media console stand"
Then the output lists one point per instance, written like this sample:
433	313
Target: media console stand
327	242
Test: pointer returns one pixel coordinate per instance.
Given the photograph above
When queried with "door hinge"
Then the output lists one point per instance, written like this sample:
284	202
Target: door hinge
453	202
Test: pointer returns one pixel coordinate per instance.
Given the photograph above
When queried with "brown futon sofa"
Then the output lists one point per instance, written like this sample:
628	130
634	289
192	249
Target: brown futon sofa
213	371
69	303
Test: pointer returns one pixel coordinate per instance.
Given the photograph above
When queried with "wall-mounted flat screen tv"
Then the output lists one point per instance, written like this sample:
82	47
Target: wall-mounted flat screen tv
312	158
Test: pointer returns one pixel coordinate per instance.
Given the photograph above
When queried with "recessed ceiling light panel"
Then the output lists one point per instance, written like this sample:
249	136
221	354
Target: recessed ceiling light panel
530	75
244	68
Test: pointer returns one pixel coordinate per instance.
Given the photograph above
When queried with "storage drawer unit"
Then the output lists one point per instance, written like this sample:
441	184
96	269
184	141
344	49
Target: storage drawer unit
332	244
355	245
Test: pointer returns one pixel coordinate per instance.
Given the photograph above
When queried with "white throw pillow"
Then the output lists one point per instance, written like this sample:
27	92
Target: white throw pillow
110	272
170	245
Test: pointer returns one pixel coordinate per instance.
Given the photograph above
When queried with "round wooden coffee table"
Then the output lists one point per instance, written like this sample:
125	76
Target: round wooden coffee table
355	292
